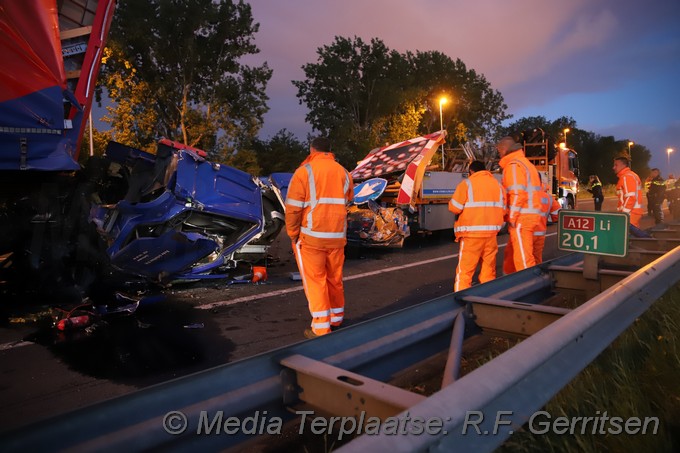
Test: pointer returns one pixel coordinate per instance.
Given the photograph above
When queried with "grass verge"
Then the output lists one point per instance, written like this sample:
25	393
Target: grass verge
637	376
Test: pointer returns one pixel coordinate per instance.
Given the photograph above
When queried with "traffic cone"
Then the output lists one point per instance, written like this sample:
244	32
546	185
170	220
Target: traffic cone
259	274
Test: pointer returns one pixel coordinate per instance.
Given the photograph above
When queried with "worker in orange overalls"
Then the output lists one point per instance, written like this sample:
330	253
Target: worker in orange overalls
628	190
524	190
550	208
316	222
479	203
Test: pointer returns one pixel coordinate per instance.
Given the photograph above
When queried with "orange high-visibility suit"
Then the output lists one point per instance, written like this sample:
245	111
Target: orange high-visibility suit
549	211
316	222
629	193
523	199
480	201
550	208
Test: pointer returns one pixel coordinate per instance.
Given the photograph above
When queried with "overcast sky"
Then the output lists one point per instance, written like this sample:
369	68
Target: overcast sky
612	65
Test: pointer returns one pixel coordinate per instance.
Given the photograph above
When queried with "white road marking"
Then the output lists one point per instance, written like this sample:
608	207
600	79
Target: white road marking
14	344
281	292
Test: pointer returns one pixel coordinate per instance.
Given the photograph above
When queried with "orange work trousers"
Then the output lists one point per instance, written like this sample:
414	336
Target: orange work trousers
472	251
519	251
539	245
634	219
321	272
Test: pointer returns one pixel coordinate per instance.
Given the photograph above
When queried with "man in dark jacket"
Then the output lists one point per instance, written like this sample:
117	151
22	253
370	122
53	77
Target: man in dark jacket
655	195
596	189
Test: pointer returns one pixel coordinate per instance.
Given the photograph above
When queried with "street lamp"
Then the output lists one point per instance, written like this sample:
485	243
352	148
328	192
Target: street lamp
442	101
669	151
566	129
629	145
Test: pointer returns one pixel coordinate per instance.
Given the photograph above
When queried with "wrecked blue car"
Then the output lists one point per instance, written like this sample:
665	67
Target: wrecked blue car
68	233
177	216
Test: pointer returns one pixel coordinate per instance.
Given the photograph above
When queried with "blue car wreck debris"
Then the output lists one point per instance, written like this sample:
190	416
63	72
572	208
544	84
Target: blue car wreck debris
70	234
183	217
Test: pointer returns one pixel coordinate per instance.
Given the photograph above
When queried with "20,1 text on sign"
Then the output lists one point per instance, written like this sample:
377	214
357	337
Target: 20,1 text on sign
600	233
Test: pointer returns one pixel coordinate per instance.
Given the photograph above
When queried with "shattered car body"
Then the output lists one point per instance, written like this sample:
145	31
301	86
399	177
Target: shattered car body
177	216
367	221
381	226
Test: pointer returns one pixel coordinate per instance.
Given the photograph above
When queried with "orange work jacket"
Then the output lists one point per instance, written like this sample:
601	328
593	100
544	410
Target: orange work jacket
629	192
522	184
550	208
316	202
480	201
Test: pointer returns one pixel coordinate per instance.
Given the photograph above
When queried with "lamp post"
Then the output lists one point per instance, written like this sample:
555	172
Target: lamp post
442	101
629	145
669	151
566	129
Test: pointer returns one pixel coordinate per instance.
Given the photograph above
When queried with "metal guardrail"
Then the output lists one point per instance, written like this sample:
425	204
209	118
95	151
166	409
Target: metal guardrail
376	349
520	381
369	354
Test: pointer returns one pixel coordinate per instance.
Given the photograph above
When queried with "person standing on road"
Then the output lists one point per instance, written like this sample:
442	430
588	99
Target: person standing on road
656	193
670	181
595	187
479	203
550	208
673	196
628	190
670	185
316	222
523	202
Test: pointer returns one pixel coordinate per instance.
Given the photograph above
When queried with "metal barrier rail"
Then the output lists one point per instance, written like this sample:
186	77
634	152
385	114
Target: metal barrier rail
376	349
520	381
266	385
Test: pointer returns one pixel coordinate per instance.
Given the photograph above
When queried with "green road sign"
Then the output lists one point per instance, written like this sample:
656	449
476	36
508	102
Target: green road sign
599	233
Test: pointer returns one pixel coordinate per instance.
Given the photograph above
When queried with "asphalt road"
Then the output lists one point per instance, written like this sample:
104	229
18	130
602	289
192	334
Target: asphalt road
199	326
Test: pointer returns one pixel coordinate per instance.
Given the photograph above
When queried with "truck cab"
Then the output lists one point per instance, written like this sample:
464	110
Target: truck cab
558	165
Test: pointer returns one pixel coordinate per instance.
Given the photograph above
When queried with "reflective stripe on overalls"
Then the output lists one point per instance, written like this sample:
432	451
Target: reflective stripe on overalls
472	204
314	203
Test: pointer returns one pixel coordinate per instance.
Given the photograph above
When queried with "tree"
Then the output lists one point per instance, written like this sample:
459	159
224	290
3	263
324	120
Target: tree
595	153
182	71
245	160
473	107
552	130
595	157
282	153
599	156
352	85
640	157
362	95
133	121
99	142
402	124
